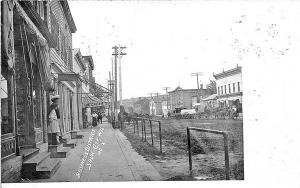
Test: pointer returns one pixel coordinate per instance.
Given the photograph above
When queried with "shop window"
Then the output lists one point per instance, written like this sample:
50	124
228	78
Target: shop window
6	124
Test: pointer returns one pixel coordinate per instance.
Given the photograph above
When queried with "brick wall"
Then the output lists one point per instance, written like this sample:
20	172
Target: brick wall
11	170
57	10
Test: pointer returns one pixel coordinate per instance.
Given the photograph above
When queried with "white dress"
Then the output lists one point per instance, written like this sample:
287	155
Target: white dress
53	122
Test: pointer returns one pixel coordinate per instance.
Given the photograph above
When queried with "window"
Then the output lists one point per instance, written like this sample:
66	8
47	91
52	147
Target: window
238	86
225	89
233	87
229	88
41	10
218	90
222	90
6	124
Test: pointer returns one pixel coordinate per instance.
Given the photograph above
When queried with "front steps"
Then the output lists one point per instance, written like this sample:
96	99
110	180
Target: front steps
40	166
58	151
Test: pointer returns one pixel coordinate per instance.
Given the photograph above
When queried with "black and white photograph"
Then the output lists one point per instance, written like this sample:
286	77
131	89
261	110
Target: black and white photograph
142	90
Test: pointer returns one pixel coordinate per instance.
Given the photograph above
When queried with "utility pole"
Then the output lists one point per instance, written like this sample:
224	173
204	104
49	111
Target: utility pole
166	89
116	82
112	91
151	104
117	53
120	55
108	96
197	74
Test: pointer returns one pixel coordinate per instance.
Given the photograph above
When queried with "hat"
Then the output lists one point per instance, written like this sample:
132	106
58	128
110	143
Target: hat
55	97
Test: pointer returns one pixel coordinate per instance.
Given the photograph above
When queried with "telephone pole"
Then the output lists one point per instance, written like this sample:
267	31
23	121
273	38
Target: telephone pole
152	110
166	89
197	74
120	73
117	53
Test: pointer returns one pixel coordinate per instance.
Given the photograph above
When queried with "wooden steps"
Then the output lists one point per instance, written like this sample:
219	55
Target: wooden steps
48	168
58	151
71	143
40	166
28	153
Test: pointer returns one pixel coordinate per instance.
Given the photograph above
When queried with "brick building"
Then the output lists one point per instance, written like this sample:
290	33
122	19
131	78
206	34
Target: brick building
25	82
61	58
185	98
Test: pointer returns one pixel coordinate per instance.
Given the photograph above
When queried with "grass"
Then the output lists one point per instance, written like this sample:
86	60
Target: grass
174	138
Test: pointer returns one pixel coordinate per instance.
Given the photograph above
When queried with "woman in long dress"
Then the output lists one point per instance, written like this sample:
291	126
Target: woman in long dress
54	118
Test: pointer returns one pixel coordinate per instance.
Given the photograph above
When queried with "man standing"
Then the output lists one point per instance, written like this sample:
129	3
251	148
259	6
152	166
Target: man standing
100	118
54	118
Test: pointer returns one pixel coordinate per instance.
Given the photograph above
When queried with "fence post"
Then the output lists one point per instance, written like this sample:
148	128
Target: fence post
151	131
142	130
133	127
226	156
189	149
160	143
137	127
145	132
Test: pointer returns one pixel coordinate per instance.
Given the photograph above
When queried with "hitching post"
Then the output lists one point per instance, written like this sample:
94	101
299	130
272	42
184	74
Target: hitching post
137	127
133	127
226	156
151	131
145	132
227	171
189	149
160	143
142	130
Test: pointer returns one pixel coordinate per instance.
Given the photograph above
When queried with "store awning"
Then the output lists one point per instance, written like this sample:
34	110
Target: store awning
89	100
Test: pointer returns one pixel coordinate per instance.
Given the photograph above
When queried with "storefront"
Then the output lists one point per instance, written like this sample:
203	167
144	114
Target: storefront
25	85
90	104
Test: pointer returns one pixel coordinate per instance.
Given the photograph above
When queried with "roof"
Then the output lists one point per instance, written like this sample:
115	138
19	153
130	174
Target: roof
211	97
69	17
236	70
89	58
186	90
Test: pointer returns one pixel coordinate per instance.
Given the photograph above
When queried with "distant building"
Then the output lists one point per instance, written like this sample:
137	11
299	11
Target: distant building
186	98
157	104
229	88
141	106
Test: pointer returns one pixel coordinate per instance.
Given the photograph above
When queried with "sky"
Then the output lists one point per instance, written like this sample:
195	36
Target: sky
167	41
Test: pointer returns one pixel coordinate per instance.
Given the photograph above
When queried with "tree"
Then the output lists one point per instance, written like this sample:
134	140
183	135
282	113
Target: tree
212	86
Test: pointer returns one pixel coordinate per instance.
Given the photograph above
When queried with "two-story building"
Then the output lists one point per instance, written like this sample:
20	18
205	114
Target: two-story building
61	58
186	98
229	88
25	82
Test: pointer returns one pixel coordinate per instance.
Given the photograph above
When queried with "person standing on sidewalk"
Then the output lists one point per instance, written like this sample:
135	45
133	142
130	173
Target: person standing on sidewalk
100	118
54	118
95	119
